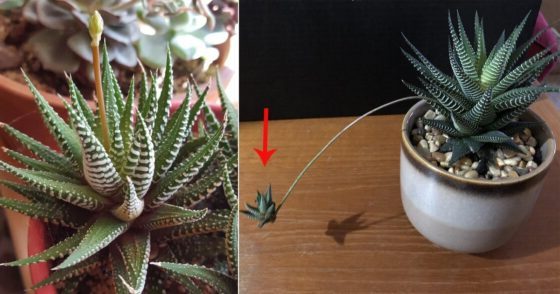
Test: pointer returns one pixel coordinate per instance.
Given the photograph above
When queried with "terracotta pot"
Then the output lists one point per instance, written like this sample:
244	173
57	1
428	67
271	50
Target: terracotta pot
28	234
467	215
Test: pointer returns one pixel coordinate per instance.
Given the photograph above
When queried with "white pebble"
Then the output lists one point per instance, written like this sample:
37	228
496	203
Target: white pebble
500	162
433	147
512	161
471	174
532	142
430	114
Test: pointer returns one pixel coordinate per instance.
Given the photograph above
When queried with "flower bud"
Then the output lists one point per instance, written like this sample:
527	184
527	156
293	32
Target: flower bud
95	28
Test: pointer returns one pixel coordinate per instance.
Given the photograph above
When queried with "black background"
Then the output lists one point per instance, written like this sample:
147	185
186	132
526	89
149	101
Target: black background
340	57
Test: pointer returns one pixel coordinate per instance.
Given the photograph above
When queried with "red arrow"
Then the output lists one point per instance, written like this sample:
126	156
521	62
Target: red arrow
265	154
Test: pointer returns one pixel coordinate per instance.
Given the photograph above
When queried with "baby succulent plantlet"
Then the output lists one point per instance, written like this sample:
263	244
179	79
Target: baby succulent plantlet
487	93
132	186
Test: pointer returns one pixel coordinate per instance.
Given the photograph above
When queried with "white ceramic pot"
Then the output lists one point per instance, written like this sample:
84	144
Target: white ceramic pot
467	215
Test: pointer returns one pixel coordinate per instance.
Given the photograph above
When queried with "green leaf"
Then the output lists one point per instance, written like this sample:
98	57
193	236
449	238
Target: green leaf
51	212
443	126
38	165
480	43
78	195
64	135
473	145
131	206
183	173
209	181
41	151
129	262
428	98
79	103
464	50
99	171
102	232
470	88
505	118
460	149
111	108
494	68
127	129
143	100
232	237
452	103
230	111
140	163
517	73
468	49
74	271
28	192
164	101
214	221
229	190
482	113
168	215
524	101
521	92
492	137
463	125
218	281
56	251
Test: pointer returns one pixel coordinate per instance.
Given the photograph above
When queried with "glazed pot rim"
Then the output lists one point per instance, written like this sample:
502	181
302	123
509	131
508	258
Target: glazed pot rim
542	168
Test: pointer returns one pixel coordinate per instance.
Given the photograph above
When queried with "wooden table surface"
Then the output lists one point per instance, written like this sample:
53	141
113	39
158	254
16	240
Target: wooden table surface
344	229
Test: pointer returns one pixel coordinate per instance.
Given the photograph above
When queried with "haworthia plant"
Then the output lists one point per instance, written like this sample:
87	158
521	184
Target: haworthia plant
487	92
124	204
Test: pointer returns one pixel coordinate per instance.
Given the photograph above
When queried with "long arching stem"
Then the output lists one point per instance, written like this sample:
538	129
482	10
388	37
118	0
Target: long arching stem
312	161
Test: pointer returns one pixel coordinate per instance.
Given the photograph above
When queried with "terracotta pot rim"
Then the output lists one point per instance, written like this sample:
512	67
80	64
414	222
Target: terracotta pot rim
419	159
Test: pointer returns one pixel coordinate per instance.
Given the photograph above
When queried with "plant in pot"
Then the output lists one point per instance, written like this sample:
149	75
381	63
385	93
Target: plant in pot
131	194
473	156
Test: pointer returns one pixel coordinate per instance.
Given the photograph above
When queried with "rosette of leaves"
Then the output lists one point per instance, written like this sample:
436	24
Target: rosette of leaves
62	42
487	93
143	210
191	28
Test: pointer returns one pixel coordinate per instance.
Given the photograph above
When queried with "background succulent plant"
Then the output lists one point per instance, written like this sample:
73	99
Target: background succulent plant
145	207
487	93
62	42
192	28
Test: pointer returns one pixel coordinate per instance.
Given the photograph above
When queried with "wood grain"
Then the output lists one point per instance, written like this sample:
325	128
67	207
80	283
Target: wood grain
312	249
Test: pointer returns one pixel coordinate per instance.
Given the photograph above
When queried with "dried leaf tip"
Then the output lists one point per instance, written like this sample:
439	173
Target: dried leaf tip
95	28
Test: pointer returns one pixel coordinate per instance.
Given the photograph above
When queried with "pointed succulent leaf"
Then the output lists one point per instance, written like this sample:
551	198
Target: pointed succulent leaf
164	100
143	102
470	88
127	117
79	195
79	103
64	135
152	106
516	127
174	137
435	77
480	43
520	51
518	72
111	110
74	271
129	262
482	113
119	98
428	98
494	68
40	150
131	206
460	149
168	215
230	110
492	137
102	232
516	102
464	51
51	212
208	182
463	125
218	281
214	221
30	193
140	163
229	191
453	103
183	173
505	117
58	250
521	92
99	170
232	234
467	46
473	145
36	164
443	126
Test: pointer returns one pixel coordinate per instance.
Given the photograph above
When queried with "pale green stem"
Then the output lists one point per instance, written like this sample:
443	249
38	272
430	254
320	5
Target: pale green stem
312	161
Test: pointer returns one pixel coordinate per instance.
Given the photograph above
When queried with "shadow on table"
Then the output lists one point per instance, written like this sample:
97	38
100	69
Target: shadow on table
541	231
339	230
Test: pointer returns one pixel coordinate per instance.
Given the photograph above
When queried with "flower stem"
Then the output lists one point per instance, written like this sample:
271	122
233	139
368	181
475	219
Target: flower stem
312	161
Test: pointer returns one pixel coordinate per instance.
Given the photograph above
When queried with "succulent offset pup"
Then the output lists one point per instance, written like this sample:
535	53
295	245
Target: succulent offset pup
481	102
487	92
133	185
